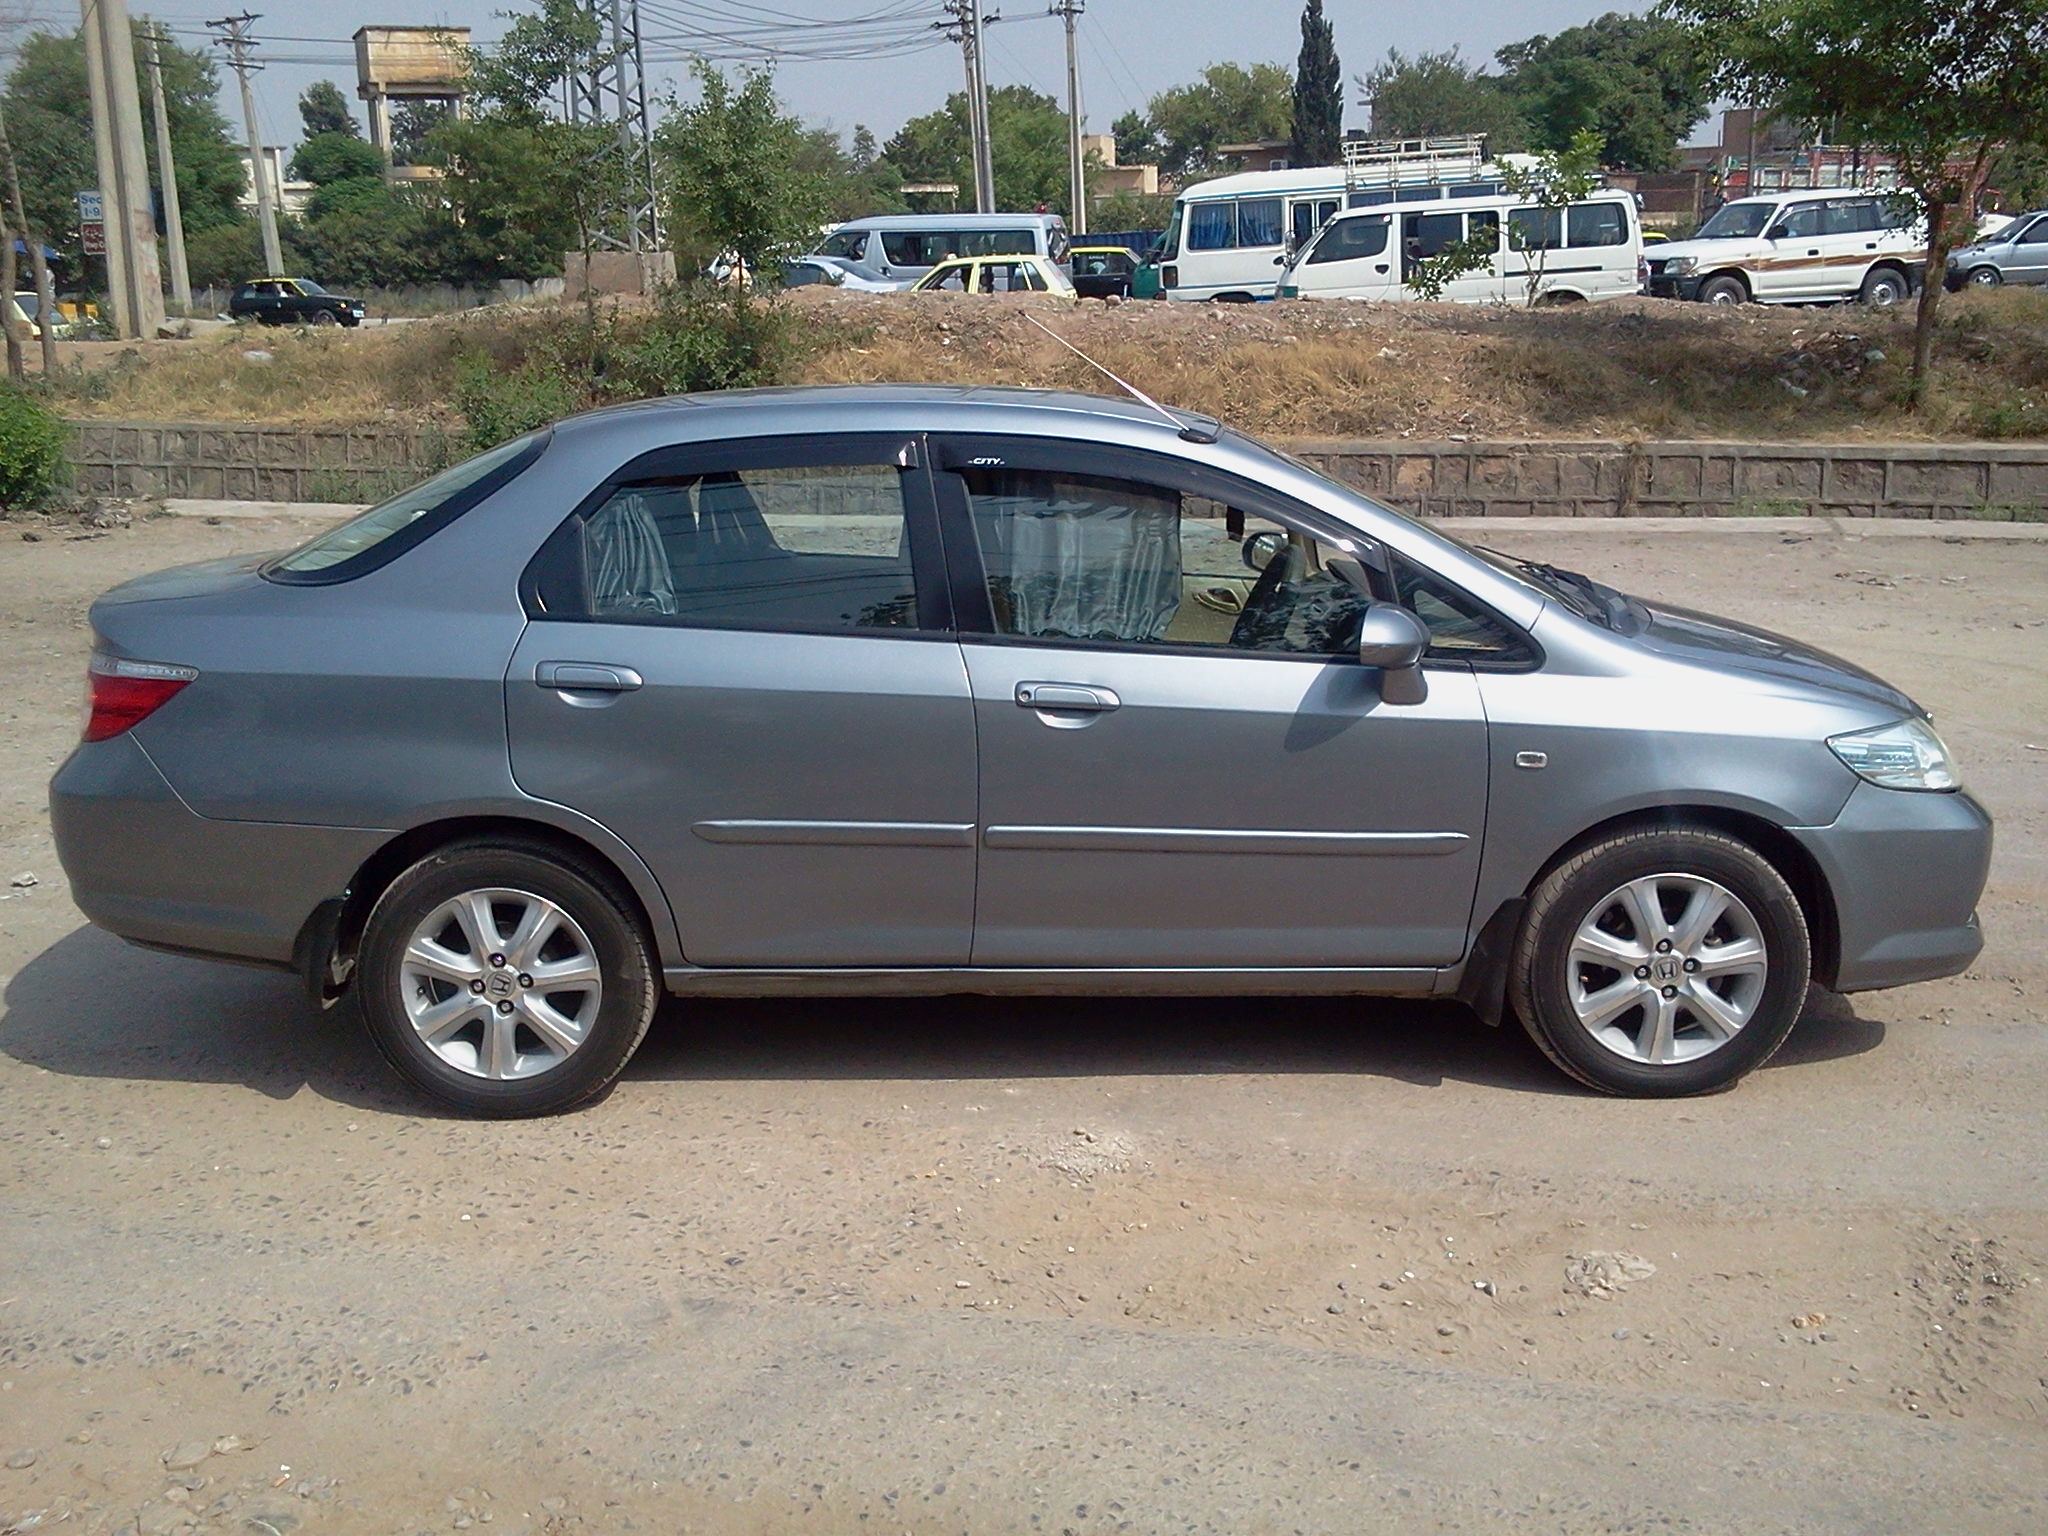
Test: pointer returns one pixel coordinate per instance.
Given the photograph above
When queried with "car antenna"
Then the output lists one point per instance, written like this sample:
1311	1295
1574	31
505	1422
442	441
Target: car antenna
1194	431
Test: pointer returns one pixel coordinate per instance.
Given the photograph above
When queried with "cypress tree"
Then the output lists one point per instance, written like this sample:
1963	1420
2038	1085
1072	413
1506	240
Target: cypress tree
1318	92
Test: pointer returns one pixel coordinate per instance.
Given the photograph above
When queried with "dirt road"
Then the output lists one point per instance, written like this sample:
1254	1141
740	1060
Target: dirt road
1004	1266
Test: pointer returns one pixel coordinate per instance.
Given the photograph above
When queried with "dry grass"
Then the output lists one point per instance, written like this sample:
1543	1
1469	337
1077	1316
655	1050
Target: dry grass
1636	368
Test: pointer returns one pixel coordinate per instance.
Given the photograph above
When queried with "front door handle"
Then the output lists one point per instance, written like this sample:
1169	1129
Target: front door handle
1066	696
587	676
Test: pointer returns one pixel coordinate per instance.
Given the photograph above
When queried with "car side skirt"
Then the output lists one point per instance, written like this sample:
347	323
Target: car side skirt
1022	981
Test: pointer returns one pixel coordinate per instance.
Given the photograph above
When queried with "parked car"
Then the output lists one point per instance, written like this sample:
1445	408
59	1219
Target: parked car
293	301
1102	271
2016	253
26	308
914	690
995	274
812	270
1796	248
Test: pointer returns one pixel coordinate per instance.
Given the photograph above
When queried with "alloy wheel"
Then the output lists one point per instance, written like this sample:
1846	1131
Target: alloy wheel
501	984
1667	969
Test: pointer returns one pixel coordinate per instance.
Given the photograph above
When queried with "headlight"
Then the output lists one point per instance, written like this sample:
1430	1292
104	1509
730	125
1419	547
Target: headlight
1904	755
1681	266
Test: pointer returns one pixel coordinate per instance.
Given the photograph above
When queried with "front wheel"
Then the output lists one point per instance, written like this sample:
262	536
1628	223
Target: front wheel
1723	290
505	981
1883	289
1984	277
1662	962
324	317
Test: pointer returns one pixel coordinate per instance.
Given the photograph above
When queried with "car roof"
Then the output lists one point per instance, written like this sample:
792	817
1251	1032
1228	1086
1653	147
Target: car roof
888	221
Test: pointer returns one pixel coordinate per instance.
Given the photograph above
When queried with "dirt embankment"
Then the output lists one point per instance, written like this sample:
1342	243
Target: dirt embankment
1629	369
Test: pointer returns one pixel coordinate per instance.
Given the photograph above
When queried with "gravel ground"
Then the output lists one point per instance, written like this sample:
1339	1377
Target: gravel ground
972	1265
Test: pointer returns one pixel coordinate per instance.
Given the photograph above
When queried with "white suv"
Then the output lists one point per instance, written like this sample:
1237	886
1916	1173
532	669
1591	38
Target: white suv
1796	248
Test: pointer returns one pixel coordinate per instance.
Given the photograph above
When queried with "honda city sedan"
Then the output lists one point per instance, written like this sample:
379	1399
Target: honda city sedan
897	690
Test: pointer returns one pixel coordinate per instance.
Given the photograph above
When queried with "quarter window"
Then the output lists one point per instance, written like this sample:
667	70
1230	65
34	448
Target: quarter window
811	548
1596	224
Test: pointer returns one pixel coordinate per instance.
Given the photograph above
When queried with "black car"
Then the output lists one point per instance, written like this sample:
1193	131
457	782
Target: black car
1103	271
293	301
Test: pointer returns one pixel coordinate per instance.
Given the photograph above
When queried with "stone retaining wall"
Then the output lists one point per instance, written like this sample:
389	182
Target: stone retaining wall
1441	479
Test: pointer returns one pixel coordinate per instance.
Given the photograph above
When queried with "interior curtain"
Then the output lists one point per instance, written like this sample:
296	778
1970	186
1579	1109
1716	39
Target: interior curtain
1074	561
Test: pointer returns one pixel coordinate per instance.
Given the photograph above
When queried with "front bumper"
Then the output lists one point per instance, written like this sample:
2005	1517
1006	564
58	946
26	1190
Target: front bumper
1665	287
145	866
1906	870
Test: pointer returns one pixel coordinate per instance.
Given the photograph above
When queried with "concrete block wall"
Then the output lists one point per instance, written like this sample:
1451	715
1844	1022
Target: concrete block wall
1431	479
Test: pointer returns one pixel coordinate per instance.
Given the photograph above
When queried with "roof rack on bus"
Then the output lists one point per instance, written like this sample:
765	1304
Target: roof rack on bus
1413	162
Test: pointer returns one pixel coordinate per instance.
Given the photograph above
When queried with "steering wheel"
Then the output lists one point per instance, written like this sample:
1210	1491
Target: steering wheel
1262	626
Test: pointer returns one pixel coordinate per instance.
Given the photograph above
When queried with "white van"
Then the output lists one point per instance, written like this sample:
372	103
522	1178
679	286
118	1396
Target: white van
1585	251
898	249
1230	236
1811	247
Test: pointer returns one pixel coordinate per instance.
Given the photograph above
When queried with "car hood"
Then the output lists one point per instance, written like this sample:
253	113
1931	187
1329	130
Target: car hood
1707	250
1706	639
1968	252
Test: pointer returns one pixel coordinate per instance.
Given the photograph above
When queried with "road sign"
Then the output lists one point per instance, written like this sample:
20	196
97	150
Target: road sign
90	210
92	236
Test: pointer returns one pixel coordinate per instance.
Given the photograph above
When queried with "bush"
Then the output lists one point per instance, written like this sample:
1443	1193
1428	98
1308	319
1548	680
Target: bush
699	338
32	440
497	405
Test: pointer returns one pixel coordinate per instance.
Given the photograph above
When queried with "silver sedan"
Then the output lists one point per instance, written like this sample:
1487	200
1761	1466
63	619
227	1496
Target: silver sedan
897	691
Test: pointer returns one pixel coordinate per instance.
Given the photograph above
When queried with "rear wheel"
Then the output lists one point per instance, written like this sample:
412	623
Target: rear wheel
1660	963
505	981
1883	288
1723	290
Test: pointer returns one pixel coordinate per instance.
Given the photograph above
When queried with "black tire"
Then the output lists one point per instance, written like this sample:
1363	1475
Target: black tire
607	918
1884	288
1542	977
324	317
1983	277
1724	290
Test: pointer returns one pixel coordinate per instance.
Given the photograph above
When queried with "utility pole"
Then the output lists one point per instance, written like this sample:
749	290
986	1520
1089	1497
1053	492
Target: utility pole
167	173
1077	173
238	43
132	275
46	295
984	151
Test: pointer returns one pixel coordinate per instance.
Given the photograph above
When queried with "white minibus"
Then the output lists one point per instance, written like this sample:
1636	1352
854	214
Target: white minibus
1587	250
898	249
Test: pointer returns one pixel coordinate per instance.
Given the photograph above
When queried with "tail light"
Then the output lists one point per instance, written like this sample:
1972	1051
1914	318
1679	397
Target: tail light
125	693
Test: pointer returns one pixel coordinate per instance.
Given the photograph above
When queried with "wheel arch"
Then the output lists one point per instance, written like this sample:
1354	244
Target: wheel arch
1893	265
1738	273
1483	984
326	949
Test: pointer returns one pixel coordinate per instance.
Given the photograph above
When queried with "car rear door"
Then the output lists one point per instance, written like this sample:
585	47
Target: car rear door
739	660
1166	782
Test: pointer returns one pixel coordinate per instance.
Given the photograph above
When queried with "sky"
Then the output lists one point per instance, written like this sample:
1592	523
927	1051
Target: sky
1129	49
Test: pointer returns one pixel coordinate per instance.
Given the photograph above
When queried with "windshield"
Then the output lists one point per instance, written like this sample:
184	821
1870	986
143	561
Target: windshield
437	500
1169	243
308	286
1736	221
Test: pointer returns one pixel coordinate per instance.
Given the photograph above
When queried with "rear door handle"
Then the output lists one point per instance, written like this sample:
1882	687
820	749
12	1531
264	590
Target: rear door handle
590	676
1066	696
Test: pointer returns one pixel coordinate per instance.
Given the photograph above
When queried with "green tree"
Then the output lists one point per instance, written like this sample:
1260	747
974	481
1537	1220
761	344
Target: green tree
327	158
1438	94
1228	105
1939	89
323	109
1136	143
732	164
1318	115
1635	80
856	182
1027	135
50	118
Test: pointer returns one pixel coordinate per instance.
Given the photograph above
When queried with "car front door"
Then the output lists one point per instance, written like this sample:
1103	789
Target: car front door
1173	782
2028	262
1795	267
739	660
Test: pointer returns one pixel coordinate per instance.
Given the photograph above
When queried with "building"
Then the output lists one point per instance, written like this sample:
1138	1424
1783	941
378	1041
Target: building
286	196
413	66
1106	178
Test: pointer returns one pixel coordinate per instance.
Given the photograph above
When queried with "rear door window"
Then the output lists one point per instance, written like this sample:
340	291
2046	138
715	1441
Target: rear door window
1536	229
1596	224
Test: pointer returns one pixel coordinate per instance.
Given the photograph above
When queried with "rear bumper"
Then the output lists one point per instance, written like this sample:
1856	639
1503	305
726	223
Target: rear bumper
144	866
1906	870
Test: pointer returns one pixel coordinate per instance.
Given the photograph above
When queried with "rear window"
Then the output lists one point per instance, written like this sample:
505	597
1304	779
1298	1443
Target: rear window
391	528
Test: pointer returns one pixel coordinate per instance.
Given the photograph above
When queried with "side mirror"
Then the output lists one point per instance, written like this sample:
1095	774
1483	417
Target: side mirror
1281	261
1262	549
1394	640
